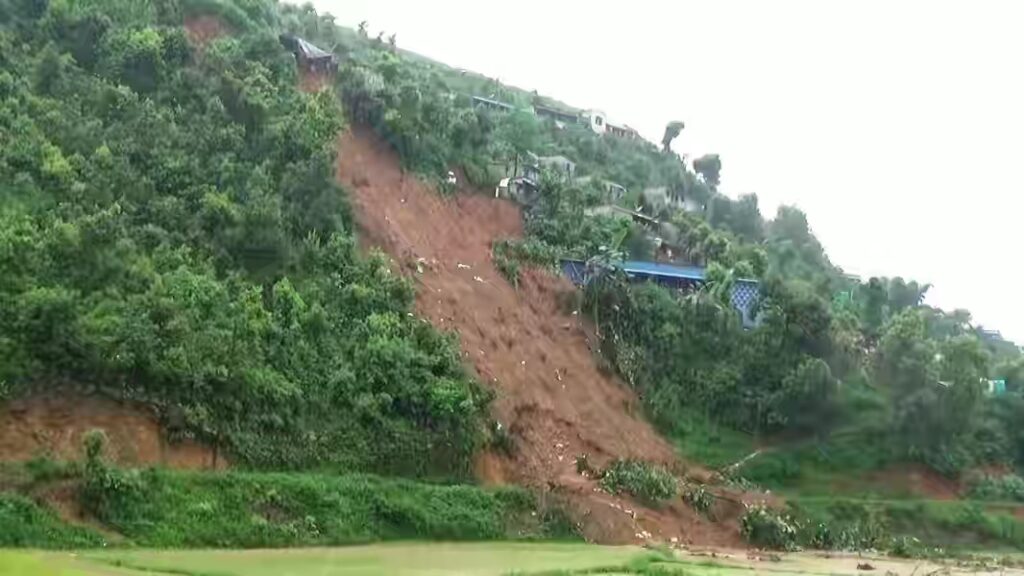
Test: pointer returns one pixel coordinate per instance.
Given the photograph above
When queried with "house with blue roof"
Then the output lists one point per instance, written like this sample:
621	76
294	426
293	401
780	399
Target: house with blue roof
744	297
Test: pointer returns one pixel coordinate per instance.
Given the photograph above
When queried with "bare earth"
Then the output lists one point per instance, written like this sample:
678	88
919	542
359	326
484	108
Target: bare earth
549	393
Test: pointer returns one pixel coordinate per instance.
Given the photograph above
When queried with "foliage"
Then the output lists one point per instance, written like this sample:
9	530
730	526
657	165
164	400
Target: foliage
641	479
508	255
159	508
23	523
1005	488
697	496
170	231
767	528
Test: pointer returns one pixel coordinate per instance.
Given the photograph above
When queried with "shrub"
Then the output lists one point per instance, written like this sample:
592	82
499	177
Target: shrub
186	509
698	497
767	528
645	481
23	523
1008	487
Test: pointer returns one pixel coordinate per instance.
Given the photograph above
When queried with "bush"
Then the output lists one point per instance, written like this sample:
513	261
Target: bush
1007	488
23	523
645	481
509	255
184	509
698	497
767	528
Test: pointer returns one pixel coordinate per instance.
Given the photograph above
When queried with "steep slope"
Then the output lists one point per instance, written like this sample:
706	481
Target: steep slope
54	425
550	395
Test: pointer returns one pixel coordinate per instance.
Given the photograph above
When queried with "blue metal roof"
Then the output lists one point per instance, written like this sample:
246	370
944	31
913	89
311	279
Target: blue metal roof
665	270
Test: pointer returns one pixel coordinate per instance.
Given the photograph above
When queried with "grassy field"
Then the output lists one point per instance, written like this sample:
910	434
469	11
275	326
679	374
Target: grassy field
432	559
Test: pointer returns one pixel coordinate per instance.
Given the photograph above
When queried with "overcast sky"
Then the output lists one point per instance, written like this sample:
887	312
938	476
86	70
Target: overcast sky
898	126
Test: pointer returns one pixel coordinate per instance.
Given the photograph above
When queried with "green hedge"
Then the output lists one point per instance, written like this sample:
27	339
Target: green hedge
177	509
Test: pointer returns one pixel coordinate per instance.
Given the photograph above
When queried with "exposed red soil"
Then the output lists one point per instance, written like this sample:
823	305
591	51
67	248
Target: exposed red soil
550	395
54	425
203	29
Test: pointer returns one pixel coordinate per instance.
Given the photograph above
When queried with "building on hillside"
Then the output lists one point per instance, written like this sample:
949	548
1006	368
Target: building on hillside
560	117
492	104
620	213
559	165
597	120
308	56
614	192
622	131
744	296
659	198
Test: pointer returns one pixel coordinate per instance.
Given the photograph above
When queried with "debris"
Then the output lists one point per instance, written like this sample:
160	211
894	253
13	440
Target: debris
864	566
674	540
478	279
559	445
558	375
463	266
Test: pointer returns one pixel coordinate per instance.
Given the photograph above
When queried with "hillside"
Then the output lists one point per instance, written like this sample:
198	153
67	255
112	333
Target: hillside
223	255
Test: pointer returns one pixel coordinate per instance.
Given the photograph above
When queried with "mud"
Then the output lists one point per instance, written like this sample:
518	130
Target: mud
550	395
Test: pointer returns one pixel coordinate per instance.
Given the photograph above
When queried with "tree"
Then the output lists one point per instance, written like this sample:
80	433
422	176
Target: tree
516	135
672	130
709	166
363	32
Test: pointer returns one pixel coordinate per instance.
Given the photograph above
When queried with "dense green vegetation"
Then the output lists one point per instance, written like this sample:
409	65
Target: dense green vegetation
157	508
170	232
833	362
830	354
23	523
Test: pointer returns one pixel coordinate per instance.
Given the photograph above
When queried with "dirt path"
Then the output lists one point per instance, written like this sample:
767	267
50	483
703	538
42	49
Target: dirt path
550	395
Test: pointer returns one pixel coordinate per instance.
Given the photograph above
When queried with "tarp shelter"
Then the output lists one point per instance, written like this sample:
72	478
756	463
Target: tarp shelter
309	56
744	297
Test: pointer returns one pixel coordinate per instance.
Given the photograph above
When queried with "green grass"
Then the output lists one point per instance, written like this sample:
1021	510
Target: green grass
437	559
158	508
715	446
397	559
959	526
25	523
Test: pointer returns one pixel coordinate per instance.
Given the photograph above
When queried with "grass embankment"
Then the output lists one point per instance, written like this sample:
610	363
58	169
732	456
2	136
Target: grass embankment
160	509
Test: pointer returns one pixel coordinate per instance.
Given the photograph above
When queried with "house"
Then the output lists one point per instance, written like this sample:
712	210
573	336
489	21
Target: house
615	192
659	198
559	116
559	165
492	104
622	131
308	56
744	296
620	213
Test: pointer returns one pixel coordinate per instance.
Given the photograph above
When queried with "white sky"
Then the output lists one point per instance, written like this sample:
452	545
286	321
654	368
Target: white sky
896	125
